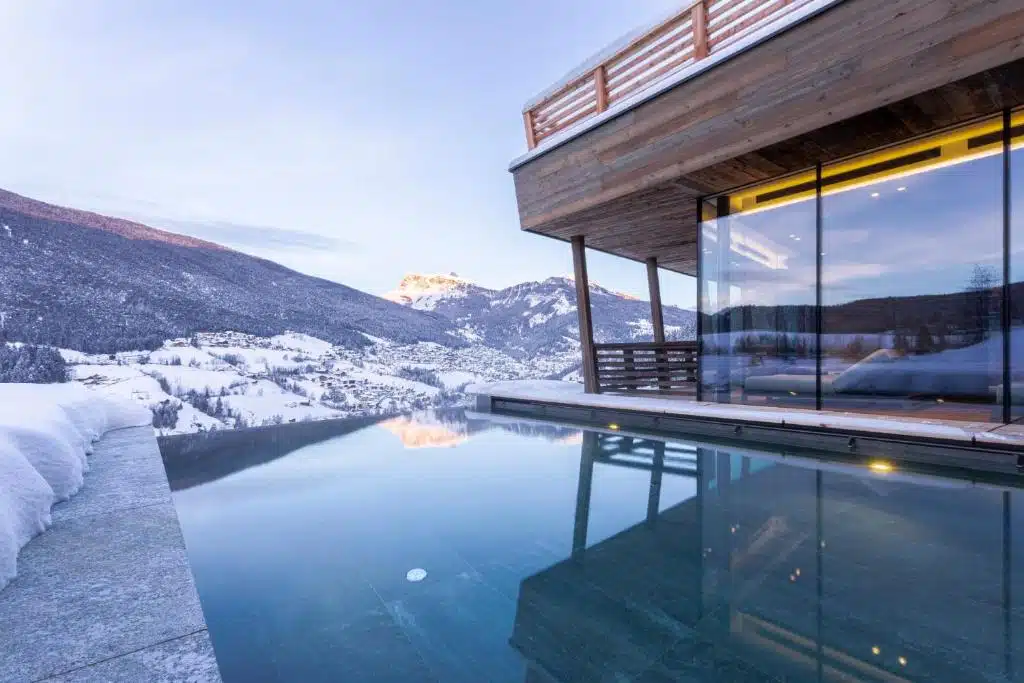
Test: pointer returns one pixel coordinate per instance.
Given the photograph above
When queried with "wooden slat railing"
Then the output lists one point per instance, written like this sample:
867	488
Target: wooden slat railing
694	33
646	368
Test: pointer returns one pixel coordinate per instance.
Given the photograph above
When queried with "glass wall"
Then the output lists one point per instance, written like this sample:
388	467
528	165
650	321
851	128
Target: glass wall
911	247
912	252
757	294
1016	275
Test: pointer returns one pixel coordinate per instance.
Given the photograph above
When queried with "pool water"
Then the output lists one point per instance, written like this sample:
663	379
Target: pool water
441	548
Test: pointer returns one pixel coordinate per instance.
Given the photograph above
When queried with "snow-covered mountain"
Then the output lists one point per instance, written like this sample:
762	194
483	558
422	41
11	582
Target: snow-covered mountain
535	318
80	280
427	292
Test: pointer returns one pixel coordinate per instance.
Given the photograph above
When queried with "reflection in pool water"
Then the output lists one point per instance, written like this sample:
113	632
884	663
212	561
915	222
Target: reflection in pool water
518	551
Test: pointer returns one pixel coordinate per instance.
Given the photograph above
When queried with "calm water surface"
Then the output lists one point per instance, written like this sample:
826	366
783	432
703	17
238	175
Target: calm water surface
551	554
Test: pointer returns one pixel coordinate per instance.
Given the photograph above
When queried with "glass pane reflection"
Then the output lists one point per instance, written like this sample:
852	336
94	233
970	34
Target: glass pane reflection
758	295
1017	266
911	278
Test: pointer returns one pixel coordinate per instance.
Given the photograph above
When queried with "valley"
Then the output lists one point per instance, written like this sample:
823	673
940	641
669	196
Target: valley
209	338
215	381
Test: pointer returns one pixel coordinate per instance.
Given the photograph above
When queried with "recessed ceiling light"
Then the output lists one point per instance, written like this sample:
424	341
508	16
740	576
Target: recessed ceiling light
874	194
901	189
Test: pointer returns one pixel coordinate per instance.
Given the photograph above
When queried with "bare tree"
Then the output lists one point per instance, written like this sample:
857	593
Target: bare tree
981	304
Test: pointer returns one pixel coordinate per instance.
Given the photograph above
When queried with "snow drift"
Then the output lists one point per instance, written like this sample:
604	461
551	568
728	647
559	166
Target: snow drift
46	431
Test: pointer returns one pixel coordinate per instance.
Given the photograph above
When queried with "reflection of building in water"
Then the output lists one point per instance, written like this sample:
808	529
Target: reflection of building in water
778	572
415	433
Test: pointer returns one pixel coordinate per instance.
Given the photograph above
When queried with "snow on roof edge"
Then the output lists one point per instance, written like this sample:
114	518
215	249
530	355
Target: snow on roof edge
748	42
604	54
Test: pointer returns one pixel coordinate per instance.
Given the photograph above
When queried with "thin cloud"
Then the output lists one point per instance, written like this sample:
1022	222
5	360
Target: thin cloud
252	237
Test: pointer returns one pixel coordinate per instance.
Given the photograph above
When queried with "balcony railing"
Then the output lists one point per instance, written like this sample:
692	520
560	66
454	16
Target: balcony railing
699	30
647	368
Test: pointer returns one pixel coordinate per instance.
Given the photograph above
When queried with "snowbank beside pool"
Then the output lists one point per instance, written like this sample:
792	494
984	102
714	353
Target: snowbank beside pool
46	431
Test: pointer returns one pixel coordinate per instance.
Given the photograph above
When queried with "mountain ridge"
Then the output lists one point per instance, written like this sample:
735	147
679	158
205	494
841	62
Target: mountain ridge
21	204
83	281
80	280
536	317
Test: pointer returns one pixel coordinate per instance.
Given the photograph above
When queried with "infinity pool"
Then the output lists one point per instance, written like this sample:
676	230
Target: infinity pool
441	548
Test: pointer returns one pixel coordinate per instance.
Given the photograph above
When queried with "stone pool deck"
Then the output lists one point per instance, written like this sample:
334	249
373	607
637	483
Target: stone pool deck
985	445
106	594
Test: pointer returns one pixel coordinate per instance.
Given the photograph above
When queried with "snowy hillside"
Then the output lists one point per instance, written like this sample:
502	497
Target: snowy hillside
227	379
79	280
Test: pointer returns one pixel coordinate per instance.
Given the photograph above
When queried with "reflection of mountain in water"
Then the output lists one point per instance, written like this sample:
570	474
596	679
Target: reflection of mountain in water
455	420
194	459
445	429
417	434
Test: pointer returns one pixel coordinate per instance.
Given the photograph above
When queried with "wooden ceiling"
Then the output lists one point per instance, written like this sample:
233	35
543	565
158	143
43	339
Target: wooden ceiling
630	186
660	222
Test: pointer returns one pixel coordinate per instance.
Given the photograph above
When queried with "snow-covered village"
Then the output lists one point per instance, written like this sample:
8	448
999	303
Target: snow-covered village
231	380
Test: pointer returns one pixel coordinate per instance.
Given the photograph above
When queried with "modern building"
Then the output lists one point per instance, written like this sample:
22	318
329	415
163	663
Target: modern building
843	178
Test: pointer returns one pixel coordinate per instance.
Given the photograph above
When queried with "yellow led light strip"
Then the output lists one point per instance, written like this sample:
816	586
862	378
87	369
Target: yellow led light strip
745	201
951	147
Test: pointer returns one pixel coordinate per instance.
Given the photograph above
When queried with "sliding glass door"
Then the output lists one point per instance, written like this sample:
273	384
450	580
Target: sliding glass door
885	271
912	251
758	275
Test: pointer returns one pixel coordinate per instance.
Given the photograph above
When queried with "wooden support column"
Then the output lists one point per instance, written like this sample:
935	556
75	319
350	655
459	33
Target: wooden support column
531	133
579	262
699	24
657	312
658	322
601	88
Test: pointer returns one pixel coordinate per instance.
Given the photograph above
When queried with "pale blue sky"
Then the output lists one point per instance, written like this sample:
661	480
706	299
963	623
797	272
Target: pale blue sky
377	132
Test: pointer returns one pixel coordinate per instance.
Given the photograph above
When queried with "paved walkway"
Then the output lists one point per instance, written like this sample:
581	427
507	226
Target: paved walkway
571	394
106	594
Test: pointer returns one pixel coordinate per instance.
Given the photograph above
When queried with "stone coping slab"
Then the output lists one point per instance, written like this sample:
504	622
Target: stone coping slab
106	594
571	394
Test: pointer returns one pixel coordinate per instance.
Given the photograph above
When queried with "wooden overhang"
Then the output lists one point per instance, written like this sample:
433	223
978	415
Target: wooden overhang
859	75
